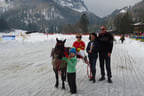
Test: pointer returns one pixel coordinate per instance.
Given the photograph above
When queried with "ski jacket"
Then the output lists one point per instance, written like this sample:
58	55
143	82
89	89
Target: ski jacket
106	42
94	47
71	64
79	45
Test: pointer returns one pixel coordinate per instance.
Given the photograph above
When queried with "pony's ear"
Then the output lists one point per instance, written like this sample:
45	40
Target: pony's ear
57	39
64	41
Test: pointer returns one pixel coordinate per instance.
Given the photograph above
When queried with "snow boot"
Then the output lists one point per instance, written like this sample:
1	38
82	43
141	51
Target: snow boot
94	80
90	79
109	80
102	78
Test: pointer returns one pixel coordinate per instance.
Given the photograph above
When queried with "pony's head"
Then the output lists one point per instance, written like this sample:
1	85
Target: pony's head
60	43
59	48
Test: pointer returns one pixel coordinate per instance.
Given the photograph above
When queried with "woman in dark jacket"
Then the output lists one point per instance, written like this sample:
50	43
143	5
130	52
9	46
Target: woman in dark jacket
92	50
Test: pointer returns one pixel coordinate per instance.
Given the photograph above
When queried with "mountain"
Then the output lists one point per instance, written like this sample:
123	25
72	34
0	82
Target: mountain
76	5
136	12
44	15
4	5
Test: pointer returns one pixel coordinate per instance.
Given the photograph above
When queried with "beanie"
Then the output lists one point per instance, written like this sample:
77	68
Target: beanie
73	50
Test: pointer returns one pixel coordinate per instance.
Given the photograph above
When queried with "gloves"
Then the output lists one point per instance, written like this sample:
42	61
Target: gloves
78	49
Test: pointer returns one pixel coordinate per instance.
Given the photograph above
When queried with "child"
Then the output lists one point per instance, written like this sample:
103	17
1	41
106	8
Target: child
71	70
79	44
80	47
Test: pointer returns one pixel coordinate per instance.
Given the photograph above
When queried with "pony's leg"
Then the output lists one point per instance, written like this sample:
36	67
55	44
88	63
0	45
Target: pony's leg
63	79
64	75
57	79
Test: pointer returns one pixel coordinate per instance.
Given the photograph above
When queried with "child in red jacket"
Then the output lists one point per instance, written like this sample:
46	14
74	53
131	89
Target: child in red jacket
80	47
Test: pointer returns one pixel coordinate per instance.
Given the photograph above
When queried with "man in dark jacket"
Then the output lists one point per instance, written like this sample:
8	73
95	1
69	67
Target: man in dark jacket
106	45
92	50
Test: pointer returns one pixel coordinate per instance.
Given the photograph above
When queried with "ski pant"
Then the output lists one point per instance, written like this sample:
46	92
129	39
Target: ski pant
81	53
92	61
105	60
72	82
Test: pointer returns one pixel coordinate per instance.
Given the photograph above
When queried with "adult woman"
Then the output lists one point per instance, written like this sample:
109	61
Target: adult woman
92	50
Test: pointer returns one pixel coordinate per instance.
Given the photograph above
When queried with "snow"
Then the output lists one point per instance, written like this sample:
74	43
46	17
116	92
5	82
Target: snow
26	70
2	3
4	6
139	23
123	11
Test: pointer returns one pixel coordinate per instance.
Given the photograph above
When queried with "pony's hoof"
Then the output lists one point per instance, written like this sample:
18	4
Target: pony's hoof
63	88
56	86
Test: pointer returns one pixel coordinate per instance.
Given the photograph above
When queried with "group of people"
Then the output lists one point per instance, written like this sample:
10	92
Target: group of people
99	45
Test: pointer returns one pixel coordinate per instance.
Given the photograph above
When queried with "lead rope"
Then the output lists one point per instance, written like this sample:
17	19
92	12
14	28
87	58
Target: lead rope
89	73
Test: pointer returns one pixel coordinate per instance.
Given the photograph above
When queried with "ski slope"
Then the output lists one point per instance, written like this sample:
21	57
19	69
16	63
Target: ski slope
26	70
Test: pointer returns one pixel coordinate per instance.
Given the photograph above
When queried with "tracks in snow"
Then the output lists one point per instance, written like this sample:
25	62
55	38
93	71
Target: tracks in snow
30	73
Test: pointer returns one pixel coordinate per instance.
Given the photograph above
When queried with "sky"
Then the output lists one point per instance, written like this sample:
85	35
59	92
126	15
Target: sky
105	7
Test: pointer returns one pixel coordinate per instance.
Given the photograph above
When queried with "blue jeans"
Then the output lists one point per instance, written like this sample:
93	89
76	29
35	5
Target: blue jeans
92	61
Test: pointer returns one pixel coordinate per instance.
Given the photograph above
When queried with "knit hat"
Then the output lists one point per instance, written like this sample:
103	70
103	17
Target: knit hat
73	50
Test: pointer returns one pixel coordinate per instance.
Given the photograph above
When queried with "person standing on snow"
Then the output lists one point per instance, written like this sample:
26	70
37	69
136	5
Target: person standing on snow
80	47
92	50
106	45
122	38
71	70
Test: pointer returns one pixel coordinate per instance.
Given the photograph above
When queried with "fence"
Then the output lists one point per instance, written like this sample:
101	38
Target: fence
8	37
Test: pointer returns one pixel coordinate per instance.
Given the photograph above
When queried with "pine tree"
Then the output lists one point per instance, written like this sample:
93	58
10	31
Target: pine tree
84	22
123	23
3	25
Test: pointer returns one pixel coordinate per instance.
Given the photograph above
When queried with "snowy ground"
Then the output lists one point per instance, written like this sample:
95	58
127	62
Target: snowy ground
26	70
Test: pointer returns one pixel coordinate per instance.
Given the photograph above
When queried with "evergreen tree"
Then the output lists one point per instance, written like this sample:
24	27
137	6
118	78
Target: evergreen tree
84	22
3	25
123	23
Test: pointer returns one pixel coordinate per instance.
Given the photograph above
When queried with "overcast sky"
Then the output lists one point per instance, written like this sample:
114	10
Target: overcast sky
105	7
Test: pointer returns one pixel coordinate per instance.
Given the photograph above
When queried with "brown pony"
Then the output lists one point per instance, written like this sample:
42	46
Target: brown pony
58	64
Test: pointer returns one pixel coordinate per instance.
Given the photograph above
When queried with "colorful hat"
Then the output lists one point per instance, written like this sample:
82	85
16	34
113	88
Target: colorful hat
73	50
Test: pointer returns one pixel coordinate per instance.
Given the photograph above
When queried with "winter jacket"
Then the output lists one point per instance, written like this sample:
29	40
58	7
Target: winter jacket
106	42
71	64
79	45
95	48
122	38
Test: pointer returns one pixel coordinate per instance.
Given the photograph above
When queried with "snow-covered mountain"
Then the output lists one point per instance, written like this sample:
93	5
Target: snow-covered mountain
136	12
77	5
5	5
46	15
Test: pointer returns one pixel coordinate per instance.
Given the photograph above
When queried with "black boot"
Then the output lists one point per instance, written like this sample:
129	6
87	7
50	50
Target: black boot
90	79
94	80
102	78
63	85
109	80
56	85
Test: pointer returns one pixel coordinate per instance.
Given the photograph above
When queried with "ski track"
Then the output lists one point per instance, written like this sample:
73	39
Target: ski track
26	70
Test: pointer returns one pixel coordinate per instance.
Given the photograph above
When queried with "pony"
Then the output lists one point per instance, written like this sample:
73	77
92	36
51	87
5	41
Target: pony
59	65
